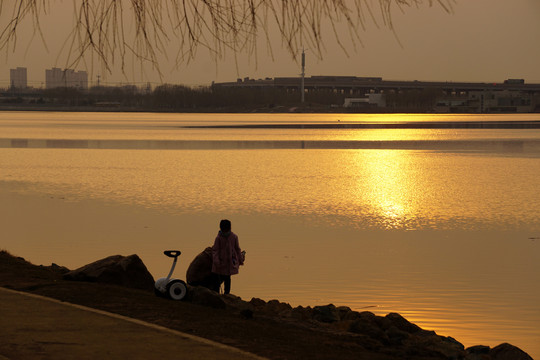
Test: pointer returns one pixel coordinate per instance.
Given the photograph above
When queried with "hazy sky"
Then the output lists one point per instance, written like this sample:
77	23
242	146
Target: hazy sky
482	40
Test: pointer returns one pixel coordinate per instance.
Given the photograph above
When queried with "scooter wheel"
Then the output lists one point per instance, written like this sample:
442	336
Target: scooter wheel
176	289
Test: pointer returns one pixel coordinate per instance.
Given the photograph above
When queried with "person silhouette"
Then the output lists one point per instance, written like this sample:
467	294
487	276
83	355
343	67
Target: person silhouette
226	256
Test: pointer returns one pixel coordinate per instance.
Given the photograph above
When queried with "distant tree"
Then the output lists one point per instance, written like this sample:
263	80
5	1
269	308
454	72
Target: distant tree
102	27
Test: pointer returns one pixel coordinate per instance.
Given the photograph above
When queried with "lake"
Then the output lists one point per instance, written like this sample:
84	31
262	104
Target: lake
437	220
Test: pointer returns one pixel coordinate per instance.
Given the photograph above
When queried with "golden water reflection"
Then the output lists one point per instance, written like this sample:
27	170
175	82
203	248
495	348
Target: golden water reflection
382	189
388	184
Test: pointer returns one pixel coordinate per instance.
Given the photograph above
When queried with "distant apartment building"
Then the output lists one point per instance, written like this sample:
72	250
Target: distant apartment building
57	77
18	78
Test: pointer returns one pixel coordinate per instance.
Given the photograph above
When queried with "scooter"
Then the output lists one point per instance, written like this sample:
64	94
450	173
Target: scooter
174	289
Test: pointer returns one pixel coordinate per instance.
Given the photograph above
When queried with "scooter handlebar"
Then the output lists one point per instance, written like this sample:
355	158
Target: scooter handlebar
172	253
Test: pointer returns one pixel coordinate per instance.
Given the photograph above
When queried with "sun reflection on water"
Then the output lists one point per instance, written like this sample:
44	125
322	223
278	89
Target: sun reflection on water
387	184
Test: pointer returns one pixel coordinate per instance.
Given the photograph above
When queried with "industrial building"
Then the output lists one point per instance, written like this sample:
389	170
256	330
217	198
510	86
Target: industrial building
511	95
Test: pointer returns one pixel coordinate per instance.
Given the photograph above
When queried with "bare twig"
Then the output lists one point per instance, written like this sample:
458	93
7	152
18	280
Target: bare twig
112	30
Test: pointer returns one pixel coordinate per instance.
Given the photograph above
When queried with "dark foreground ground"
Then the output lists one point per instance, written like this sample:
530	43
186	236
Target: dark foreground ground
263	333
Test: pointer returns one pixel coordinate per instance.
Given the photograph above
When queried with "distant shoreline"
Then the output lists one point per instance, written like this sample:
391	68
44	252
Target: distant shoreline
532	124
235	110
506	146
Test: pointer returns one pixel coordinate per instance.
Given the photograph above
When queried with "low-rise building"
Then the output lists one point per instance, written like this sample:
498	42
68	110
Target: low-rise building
377	100
488	101
500	101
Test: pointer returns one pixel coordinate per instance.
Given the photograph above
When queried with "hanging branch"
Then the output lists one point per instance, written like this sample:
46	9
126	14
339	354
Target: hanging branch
111	30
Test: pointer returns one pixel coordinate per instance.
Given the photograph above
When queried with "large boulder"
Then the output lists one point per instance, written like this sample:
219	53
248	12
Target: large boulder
425	343
367	326
277	308
236	303
478	352
508	352
127	271
199	272
402	324
205	297
327	313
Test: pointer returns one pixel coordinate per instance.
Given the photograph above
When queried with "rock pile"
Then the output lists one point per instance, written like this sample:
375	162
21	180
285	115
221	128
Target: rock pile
127	271
392	334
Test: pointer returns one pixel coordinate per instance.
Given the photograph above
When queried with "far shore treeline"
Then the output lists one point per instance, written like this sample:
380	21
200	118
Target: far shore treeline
179	98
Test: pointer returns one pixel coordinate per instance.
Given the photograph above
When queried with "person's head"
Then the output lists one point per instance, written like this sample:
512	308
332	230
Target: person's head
225	226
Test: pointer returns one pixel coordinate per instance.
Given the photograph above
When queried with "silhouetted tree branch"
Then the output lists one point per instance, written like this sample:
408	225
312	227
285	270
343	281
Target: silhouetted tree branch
113	29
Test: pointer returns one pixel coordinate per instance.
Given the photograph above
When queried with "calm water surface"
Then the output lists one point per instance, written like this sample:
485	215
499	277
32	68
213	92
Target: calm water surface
448	236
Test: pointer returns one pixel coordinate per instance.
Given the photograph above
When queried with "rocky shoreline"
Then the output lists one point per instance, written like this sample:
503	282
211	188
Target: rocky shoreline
268	328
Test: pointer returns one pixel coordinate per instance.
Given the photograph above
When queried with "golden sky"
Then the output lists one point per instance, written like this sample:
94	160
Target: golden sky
482	40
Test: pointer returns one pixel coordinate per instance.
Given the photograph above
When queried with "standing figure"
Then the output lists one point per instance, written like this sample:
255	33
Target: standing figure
226	256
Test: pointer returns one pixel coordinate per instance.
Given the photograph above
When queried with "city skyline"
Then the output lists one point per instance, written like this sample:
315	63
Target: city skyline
98	81
54	77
